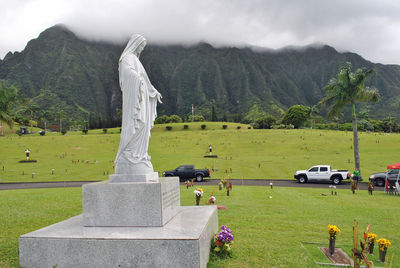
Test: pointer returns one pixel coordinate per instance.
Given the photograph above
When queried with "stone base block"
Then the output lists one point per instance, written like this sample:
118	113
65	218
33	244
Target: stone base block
123	178
183	242
130	204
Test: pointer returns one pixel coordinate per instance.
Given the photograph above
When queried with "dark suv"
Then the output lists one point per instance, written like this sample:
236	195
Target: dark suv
379	178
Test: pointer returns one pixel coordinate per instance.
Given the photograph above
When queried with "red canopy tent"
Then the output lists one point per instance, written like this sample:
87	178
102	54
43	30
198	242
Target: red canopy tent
394	166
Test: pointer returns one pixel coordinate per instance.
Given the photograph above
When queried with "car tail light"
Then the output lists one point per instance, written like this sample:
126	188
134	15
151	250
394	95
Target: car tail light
208	172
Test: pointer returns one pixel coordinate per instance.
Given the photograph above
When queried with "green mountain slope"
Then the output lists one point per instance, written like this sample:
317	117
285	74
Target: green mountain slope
83	76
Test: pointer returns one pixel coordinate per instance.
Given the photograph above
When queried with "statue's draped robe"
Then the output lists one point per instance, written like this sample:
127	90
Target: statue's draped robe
139	102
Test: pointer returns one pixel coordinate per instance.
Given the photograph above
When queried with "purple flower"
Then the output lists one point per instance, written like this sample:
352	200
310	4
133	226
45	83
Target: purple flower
225	236
226	229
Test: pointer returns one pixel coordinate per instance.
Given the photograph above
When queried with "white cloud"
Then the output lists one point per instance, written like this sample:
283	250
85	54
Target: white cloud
368	27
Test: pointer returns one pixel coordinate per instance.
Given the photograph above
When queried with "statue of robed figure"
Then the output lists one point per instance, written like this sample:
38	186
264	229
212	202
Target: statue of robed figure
139	103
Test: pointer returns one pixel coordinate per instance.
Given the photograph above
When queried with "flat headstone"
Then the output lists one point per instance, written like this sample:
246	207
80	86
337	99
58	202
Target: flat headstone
338	257
27	161
211	156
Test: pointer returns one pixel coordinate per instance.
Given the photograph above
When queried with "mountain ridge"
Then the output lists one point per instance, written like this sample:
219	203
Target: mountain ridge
84	75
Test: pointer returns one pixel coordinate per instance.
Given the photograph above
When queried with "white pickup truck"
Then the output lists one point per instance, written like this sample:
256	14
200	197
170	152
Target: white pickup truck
322	173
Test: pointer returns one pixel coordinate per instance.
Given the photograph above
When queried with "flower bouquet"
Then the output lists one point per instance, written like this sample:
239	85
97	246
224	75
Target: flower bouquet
371	242
223	182
333	231
222	244
198	193
211	200
188	184
384	244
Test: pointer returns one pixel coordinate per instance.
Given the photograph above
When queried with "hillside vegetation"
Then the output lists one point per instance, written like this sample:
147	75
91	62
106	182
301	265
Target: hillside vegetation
62	71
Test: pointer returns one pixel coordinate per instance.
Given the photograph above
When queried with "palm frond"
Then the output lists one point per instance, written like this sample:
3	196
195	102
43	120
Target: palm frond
335	109
368	95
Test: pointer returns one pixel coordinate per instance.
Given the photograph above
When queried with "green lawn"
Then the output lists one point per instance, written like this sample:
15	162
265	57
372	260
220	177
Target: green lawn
248	153
269	232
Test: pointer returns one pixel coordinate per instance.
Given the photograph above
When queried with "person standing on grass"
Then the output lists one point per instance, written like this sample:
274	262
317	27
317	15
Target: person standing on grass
210	149
27	152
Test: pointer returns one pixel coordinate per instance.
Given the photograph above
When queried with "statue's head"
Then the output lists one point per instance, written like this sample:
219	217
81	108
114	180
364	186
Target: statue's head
135	45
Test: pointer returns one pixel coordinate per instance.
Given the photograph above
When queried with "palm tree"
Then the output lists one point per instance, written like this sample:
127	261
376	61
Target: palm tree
349	88
8	96
31	109
311	110
60	115
44	115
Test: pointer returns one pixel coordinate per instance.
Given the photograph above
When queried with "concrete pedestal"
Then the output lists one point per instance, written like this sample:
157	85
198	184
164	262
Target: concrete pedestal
135	224
182	242
130	204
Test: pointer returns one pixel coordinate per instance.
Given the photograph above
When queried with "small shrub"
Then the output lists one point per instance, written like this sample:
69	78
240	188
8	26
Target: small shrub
84	131
248	127
162	119
42	132
224	126
174	119
168	127
64	131
290	126
203	127
185	126
238	127
346	127
104	130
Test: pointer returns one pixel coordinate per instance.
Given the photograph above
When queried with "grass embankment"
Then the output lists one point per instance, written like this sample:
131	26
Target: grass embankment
268	232
242	153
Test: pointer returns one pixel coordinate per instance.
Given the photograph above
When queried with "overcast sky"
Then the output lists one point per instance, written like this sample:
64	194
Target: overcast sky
370	28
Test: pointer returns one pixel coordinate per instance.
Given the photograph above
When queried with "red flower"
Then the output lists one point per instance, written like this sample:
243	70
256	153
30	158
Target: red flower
218	243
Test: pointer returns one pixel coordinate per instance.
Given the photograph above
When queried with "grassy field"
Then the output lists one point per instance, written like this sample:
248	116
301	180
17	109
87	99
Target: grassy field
242	153
269	232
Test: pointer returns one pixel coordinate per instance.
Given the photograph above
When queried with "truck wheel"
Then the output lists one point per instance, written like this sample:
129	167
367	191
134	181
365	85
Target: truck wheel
379	182
302	179
199	177
336	180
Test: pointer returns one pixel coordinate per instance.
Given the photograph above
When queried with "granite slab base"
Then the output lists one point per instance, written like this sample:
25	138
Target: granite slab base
130	204
182	242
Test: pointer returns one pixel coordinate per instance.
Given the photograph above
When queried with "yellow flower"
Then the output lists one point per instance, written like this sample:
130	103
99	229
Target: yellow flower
333	230
371	237
383	243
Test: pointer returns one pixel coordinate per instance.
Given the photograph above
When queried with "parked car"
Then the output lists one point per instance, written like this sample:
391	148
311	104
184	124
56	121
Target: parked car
379	178
322	173
186	172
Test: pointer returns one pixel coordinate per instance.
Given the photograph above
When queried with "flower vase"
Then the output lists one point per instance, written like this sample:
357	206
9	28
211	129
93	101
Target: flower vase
332	245
382	255
371	247
198	200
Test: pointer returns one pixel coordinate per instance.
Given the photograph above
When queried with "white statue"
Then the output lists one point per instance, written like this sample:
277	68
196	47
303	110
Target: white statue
139	102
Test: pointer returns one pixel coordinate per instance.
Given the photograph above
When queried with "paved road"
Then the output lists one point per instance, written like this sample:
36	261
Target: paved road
276	183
